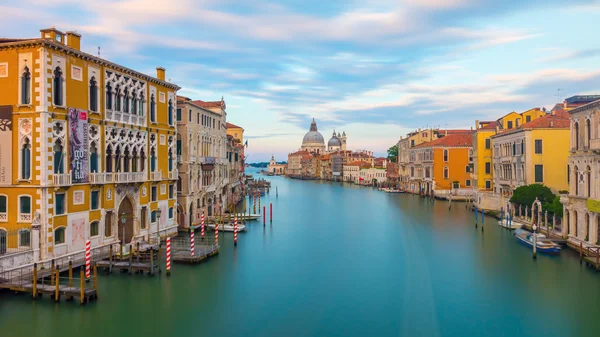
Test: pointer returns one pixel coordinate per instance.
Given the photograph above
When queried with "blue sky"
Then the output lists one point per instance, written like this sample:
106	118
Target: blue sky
376	69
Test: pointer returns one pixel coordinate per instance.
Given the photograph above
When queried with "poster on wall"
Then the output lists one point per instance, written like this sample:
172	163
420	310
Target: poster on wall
78	236
78	145
5	145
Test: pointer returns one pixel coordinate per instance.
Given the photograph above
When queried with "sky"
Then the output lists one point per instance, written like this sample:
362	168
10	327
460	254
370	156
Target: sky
374	69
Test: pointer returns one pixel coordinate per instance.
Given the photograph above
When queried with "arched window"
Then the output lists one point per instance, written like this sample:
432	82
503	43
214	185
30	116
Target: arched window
142	161
514	149
445	155
93	95
170	112
152	160
576	180
26	86
126	160
576	136
589	181
109	97
170	160
24	238
26	159
134	103
59	235
134	162
93	158
59	166
152	109
109	163
94	228
588	132
141	110
446	172
118	159
118	94
126	100
58	87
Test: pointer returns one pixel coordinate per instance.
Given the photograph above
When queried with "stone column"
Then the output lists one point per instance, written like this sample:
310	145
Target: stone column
35	237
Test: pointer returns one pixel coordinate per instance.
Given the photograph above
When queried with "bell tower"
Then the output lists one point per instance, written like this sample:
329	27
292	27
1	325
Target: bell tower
343	139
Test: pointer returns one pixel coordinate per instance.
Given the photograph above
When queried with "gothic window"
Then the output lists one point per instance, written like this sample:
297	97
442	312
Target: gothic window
141	110
134	103
93	158
93	95
576	136
588	132
153	160
126	160
170	160
118	98
58	87
26	159
445	155
109	162
109	97
142	161
25	86
134	162
126	100
589	181
59	166
152	109
118	159
170	112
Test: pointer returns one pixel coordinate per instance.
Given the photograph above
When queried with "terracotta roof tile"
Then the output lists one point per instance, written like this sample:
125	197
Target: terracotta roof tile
454	140
490	126
214	104
559	119
299	153
233	126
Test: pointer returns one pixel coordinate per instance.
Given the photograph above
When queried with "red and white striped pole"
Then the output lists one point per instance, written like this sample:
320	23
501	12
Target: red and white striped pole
88	258
235	230
216	234
192	249
202	226
168	256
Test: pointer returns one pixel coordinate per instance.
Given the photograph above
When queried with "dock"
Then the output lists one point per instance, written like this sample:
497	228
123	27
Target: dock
181	252
136	261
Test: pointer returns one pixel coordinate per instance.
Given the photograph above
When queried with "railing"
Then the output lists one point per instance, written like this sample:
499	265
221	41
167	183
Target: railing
129	177
61	179
15	241
156	176
98	178
173	175
25	217
192	159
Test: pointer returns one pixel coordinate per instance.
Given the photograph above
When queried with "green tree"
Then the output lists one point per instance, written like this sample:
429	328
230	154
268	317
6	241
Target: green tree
393	153
525	196
555	207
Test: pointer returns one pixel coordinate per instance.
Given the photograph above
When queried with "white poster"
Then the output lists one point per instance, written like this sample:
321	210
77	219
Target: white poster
5	145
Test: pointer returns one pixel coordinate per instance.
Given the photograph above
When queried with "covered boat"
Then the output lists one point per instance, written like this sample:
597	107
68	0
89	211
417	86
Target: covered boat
543	244
228	227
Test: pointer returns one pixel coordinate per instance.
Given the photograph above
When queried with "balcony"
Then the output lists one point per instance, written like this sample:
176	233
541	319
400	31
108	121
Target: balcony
173	175
128	177
201	159
61	179
25	218
154	176
192	159
3	217
211	188
97	178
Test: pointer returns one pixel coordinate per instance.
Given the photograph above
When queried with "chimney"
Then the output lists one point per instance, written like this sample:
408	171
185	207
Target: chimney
497	129
160	73
476	124
551	124
552	113
74	40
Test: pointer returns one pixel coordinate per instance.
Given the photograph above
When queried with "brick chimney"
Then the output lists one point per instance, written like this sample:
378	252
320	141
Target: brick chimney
74	40
160	73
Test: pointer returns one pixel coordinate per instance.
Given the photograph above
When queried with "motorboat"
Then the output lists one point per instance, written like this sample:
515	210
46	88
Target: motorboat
228	227
509	224
245	216
543	244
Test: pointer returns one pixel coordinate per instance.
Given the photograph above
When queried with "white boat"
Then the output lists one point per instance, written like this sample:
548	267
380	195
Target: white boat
251	216
228	227
513	225
543	244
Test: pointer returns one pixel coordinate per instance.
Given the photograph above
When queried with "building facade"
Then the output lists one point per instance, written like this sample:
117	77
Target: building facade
87	148
276	169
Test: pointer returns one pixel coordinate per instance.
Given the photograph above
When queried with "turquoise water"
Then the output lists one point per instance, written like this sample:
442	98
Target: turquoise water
340	260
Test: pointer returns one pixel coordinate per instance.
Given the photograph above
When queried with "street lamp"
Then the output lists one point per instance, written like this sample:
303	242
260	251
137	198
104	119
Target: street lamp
158	212
123	219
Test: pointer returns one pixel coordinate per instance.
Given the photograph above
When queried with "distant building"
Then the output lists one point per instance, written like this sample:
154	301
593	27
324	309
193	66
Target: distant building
275	168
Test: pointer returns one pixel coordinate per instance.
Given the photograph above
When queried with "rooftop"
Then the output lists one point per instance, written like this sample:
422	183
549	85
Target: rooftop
559	119
451	140
233	126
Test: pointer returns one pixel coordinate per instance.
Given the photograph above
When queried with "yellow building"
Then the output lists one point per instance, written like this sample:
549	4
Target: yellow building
87	148
237	132
482	173
535	153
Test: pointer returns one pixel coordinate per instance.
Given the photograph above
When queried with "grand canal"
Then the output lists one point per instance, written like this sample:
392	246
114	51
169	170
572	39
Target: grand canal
340	261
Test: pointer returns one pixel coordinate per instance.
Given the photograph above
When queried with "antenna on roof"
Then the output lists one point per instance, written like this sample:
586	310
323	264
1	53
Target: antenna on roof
558	94
98	51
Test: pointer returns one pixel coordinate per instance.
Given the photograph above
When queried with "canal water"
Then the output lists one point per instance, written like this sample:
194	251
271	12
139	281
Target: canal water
339	260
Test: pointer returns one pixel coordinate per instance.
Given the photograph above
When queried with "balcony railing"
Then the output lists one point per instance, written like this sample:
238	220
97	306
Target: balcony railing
97	178
173	175
154	176
61	179
25	217
128	177
192	159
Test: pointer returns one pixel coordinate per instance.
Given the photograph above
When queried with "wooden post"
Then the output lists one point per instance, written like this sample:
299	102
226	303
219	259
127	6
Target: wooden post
271	211
580	252
121	251
110	259
151	261
52	273
81	287
137	252
56	291
130	258
96	278
34	281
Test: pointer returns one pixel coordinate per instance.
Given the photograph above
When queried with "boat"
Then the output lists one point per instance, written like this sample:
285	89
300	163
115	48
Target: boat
513	225
245	216
391	190
228	227
544	245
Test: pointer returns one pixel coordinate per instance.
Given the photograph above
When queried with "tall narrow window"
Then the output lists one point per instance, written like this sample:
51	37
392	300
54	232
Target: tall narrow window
576	136
25	86
170	160
588	132
94	228
142	161
134	161
152	109
589	181
126	160
118	98
58	87
26	159
118	159
3	208
141	110
538	146
108	223
95	200
487	143
170	112
134	103
143	217
445	155
93	158
59	204
153	160
25	204
108	161
109	97
93	95
126	100
59	166
446	174
179	114
539	173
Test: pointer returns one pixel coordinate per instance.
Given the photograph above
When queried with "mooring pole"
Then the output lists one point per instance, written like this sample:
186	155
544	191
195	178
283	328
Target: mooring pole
264	215
482	219
271	211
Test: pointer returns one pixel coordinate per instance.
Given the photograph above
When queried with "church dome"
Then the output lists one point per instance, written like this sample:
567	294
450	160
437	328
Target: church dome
334	141
313	136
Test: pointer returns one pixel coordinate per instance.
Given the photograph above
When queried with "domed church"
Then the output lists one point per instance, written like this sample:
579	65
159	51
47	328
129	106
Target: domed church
313	141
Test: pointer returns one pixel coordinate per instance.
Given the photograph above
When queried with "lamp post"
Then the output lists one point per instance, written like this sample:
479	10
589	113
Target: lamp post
123	219
534	241
158	213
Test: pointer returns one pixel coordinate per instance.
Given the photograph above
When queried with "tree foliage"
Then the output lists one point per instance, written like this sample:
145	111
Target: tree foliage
393	153
525	196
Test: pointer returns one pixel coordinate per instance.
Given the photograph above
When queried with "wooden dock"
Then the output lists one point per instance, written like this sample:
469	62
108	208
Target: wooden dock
136	261
182	254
